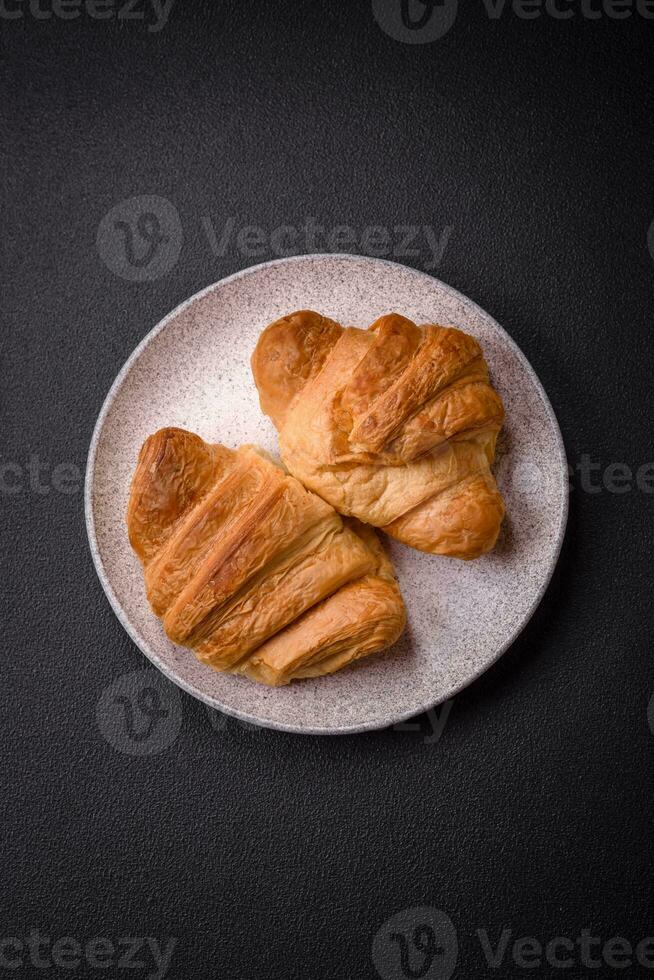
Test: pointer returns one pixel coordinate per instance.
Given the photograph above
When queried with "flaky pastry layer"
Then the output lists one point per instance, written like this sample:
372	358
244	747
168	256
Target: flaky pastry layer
395	425
257	575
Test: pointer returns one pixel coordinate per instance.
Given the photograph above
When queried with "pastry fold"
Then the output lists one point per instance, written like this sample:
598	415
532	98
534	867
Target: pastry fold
256	574
395	425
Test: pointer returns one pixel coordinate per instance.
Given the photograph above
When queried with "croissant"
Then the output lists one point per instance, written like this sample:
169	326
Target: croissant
395	425
256	574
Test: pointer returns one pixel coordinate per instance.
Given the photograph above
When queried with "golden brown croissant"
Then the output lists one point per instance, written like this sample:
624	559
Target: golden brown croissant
253	572
395	425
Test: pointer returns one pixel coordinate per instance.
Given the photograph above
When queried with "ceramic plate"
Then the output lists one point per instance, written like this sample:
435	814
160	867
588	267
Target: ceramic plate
193	371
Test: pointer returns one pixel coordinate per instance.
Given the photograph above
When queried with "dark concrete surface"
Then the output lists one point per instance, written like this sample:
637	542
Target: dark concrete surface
269	855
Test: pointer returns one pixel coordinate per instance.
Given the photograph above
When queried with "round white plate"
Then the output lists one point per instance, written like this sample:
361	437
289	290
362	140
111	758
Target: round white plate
193	371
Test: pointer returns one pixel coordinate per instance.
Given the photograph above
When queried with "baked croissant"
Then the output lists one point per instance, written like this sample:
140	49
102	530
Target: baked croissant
395	425
253	572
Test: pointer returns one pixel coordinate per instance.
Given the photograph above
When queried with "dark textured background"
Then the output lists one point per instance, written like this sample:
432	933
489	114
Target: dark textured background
272	855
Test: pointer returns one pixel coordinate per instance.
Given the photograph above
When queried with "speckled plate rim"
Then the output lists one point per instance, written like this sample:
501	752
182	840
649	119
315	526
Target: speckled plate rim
144	646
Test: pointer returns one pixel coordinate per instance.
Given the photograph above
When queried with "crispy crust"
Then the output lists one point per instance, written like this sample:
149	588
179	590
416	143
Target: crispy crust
236	554
290	351
395	425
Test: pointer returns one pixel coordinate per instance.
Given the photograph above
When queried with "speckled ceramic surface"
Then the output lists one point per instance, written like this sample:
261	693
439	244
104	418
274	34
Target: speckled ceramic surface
193	371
